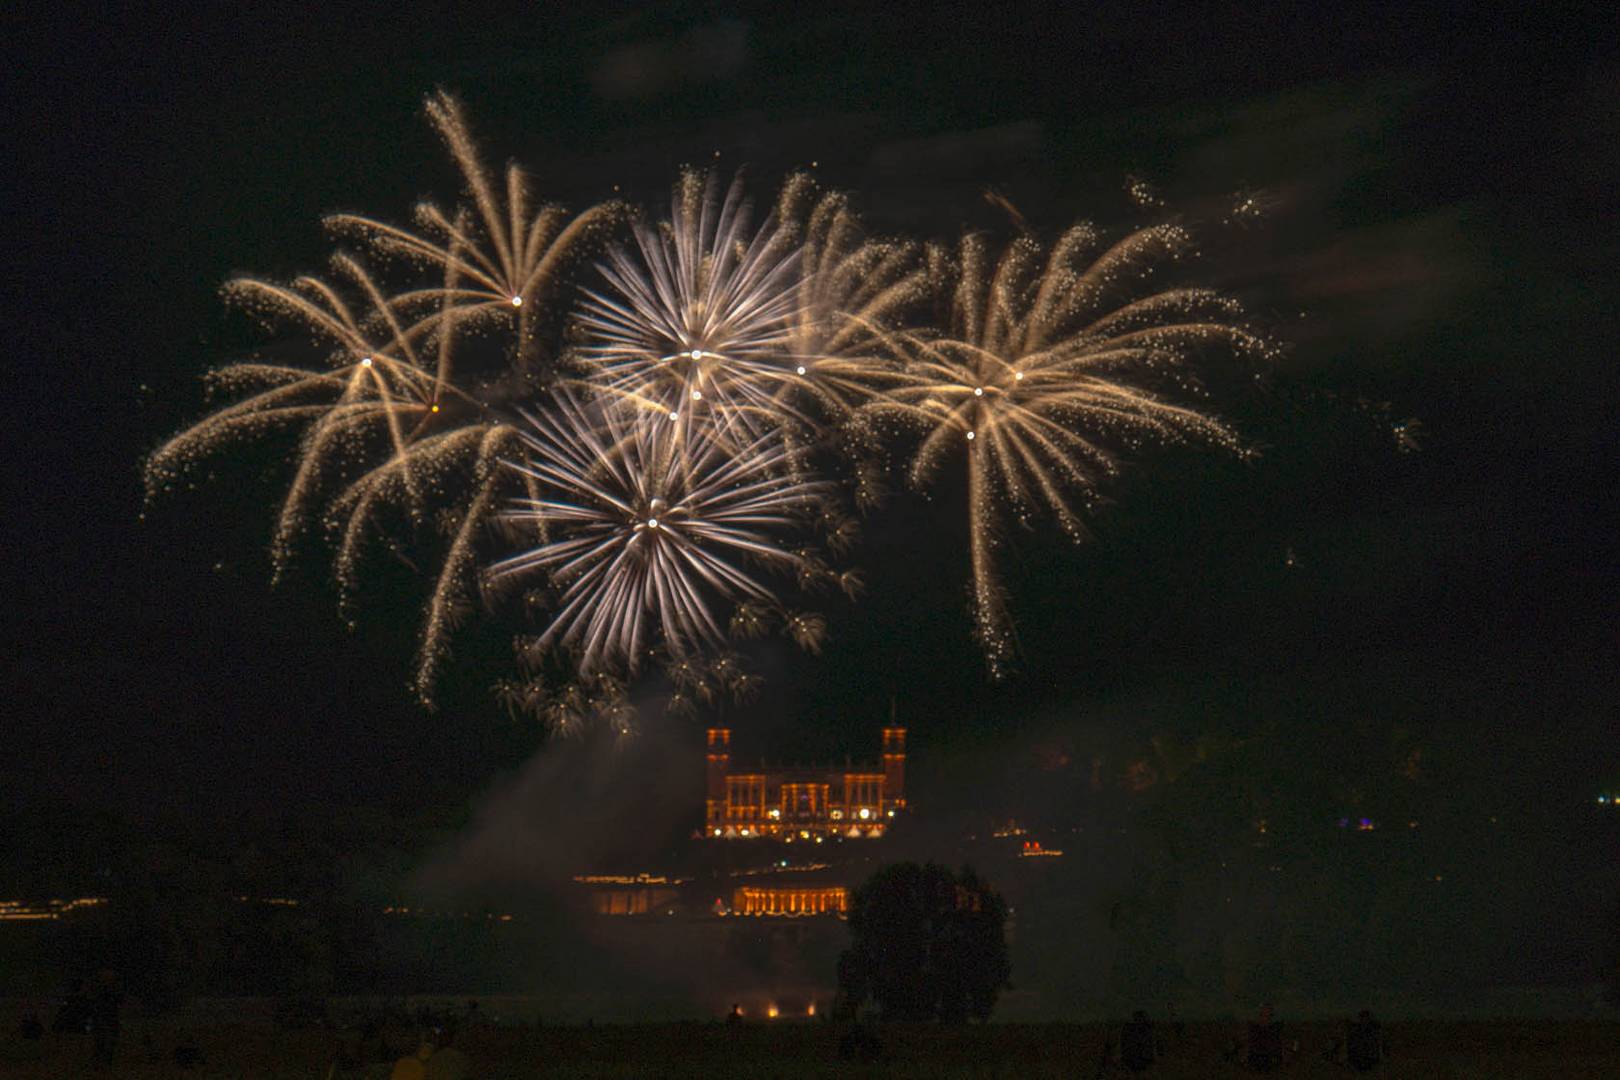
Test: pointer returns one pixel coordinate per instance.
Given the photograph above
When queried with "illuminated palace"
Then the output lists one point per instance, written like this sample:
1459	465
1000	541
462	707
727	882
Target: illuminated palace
814	804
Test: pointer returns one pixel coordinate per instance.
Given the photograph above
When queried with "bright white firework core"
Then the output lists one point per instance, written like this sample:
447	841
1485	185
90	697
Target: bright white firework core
517	301
365	361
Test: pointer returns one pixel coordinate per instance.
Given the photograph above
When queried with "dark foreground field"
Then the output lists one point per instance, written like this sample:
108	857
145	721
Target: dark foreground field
1511	1050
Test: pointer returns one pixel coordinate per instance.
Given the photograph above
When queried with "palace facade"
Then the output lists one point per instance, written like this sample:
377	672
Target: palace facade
814	804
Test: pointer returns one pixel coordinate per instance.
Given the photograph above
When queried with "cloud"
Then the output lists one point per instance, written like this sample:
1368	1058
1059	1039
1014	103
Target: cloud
653	66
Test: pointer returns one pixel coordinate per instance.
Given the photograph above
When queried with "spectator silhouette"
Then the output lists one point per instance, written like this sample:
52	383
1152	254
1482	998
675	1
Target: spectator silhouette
1136	1044
104	1005
1265	1049
187	1056
735	1016
1364	1043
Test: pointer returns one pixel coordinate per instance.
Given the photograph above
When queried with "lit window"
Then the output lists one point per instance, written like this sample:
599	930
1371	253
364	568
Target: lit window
775	814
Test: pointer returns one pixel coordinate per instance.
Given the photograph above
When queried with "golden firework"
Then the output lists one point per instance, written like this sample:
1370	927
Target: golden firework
1041	375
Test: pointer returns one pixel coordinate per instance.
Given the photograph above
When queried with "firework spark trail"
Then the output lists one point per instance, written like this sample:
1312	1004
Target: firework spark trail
504	271
696	319
1038	377
377	384
848	288
451	591
648	525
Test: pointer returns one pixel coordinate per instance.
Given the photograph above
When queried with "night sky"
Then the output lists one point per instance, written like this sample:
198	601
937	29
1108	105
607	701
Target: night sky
1438	244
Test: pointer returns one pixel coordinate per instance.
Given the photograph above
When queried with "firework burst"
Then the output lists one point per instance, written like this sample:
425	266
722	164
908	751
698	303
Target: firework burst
389	419
660	498
1042	373
645	527
696	319
501	261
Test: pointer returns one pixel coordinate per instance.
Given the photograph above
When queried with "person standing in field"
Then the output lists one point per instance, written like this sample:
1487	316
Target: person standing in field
1137	1047
1364	1043
1265	1049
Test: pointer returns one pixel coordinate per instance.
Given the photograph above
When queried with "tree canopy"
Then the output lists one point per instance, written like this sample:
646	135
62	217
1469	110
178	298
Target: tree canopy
925	944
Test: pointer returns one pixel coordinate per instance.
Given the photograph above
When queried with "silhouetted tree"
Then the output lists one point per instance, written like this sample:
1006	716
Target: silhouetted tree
925	944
